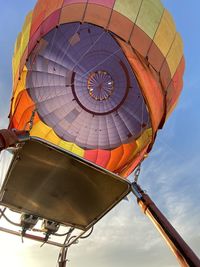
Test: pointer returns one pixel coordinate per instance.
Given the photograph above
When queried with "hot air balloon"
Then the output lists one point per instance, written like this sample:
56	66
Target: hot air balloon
100	76
96	79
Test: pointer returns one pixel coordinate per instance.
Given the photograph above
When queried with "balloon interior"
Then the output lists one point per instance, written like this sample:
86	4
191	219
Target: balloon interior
93	82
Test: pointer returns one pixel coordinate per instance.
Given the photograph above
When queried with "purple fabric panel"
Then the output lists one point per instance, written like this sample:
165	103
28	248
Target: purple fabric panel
84	88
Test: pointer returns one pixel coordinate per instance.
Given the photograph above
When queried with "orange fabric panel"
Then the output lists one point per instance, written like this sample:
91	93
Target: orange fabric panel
23	110
69	2
52	6
121	25
98	15
130	168
115	158
26	118
20	86
128	150
72	13
151	90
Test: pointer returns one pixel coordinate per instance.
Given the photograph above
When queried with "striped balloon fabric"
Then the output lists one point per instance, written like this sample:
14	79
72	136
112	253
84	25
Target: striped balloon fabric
100	77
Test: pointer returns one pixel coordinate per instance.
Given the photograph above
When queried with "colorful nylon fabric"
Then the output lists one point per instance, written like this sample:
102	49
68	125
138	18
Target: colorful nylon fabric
100	76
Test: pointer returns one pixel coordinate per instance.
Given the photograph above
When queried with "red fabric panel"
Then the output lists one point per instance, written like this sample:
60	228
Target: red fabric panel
165	75
44	28
103	158
178	76
91	155
34	39
155	57
121	25
38	16
140	41
99	157
175	87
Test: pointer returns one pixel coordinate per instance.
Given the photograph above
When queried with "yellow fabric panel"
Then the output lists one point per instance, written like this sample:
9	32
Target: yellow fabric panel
144	139
16	62
72	148
26	32
52	137
21	43
175	54
17	43
21	85
149	17
66	145
130	9
77	150
17	55
41	130
165	34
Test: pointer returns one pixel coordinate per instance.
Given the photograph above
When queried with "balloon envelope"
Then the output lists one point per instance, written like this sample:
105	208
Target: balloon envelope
100	77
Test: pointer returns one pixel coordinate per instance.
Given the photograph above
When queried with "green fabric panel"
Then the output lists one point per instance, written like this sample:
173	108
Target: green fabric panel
150	15
128	8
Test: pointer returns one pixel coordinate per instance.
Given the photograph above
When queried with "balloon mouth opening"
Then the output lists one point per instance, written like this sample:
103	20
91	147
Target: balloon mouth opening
100	85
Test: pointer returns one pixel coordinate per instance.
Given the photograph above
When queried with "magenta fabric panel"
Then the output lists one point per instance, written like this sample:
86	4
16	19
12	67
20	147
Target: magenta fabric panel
51	22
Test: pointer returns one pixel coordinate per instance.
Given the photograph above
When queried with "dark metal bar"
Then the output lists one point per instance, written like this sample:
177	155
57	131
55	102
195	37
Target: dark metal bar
184	254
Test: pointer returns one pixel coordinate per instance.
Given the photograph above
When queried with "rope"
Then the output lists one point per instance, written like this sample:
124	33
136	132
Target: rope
31	121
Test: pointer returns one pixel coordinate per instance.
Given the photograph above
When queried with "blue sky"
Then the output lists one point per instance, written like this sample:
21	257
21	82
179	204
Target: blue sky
171	174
